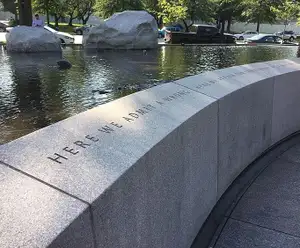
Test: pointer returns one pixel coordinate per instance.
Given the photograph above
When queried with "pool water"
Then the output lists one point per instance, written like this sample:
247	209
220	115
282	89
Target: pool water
34	93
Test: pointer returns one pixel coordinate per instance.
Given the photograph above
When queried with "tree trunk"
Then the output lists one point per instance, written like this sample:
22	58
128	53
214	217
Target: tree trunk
222	27
47	16
229	24
123	5
161	21
218	23
70	20
47	11
258	25
186	26
25	12
56	18
86	19
285	24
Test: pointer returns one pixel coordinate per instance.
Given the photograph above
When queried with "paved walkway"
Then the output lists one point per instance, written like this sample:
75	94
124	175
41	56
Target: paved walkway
268	214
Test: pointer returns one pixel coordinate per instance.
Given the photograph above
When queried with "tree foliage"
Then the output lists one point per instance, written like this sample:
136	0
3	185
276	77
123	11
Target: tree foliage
286	11
187	11
105	8
9	5
171	11
258	11
73	9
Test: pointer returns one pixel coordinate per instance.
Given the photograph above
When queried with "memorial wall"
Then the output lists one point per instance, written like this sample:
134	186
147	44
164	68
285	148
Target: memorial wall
147	169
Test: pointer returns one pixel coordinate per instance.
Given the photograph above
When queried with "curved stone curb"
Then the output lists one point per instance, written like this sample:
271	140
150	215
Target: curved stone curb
147	169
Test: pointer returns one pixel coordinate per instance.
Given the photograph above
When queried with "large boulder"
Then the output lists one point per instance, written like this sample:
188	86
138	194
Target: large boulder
125	30
29	39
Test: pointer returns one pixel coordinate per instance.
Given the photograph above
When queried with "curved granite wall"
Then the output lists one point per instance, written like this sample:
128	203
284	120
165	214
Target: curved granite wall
147	169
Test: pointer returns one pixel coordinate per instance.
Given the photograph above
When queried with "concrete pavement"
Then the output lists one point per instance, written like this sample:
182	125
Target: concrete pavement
268	213
2	37
78	38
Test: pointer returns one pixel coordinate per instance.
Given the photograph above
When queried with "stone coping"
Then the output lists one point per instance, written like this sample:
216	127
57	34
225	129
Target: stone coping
147	169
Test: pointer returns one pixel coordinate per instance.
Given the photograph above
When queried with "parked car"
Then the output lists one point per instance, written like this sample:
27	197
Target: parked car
4	25
65	38
53	26
287	35
82	29
246	35
162	32
265	39
201	34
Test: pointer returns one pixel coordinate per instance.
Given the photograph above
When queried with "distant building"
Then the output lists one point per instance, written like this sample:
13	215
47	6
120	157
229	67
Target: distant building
265	27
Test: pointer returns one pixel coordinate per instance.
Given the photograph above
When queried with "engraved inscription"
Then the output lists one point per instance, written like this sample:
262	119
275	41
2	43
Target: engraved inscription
81	144
106	129
57	158
205	84
78	146
212	82
70	150
91	138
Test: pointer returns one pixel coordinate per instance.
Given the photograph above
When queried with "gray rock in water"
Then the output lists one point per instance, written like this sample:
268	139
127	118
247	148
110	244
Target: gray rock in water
23	39
64	64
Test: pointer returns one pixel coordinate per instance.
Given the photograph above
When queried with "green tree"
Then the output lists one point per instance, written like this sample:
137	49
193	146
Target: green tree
42	6
259	11
286	11
183	10
227	11
73	10
9	5
106	8
55	8
198	10
153	8
173	11
85	10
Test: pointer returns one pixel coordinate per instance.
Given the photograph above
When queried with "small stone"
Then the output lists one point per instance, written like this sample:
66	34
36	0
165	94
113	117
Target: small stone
64	64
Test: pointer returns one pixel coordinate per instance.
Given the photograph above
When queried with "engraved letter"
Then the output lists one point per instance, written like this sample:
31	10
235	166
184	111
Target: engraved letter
91	138
142	112
56	159
116	125
106	129
70	150
128	119
149	107
81	144
134	115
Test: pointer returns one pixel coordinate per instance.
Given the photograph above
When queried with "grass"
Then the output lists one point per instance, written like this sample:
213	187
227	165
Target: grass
64	27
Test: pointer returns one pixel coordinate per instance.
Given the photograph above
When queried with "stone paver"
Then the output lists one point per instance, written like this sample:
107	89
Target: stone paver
238	234
268	214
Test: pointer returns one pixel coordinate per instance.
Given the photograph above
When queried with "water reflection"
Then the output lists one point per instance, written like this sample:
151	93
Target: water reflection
34	93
